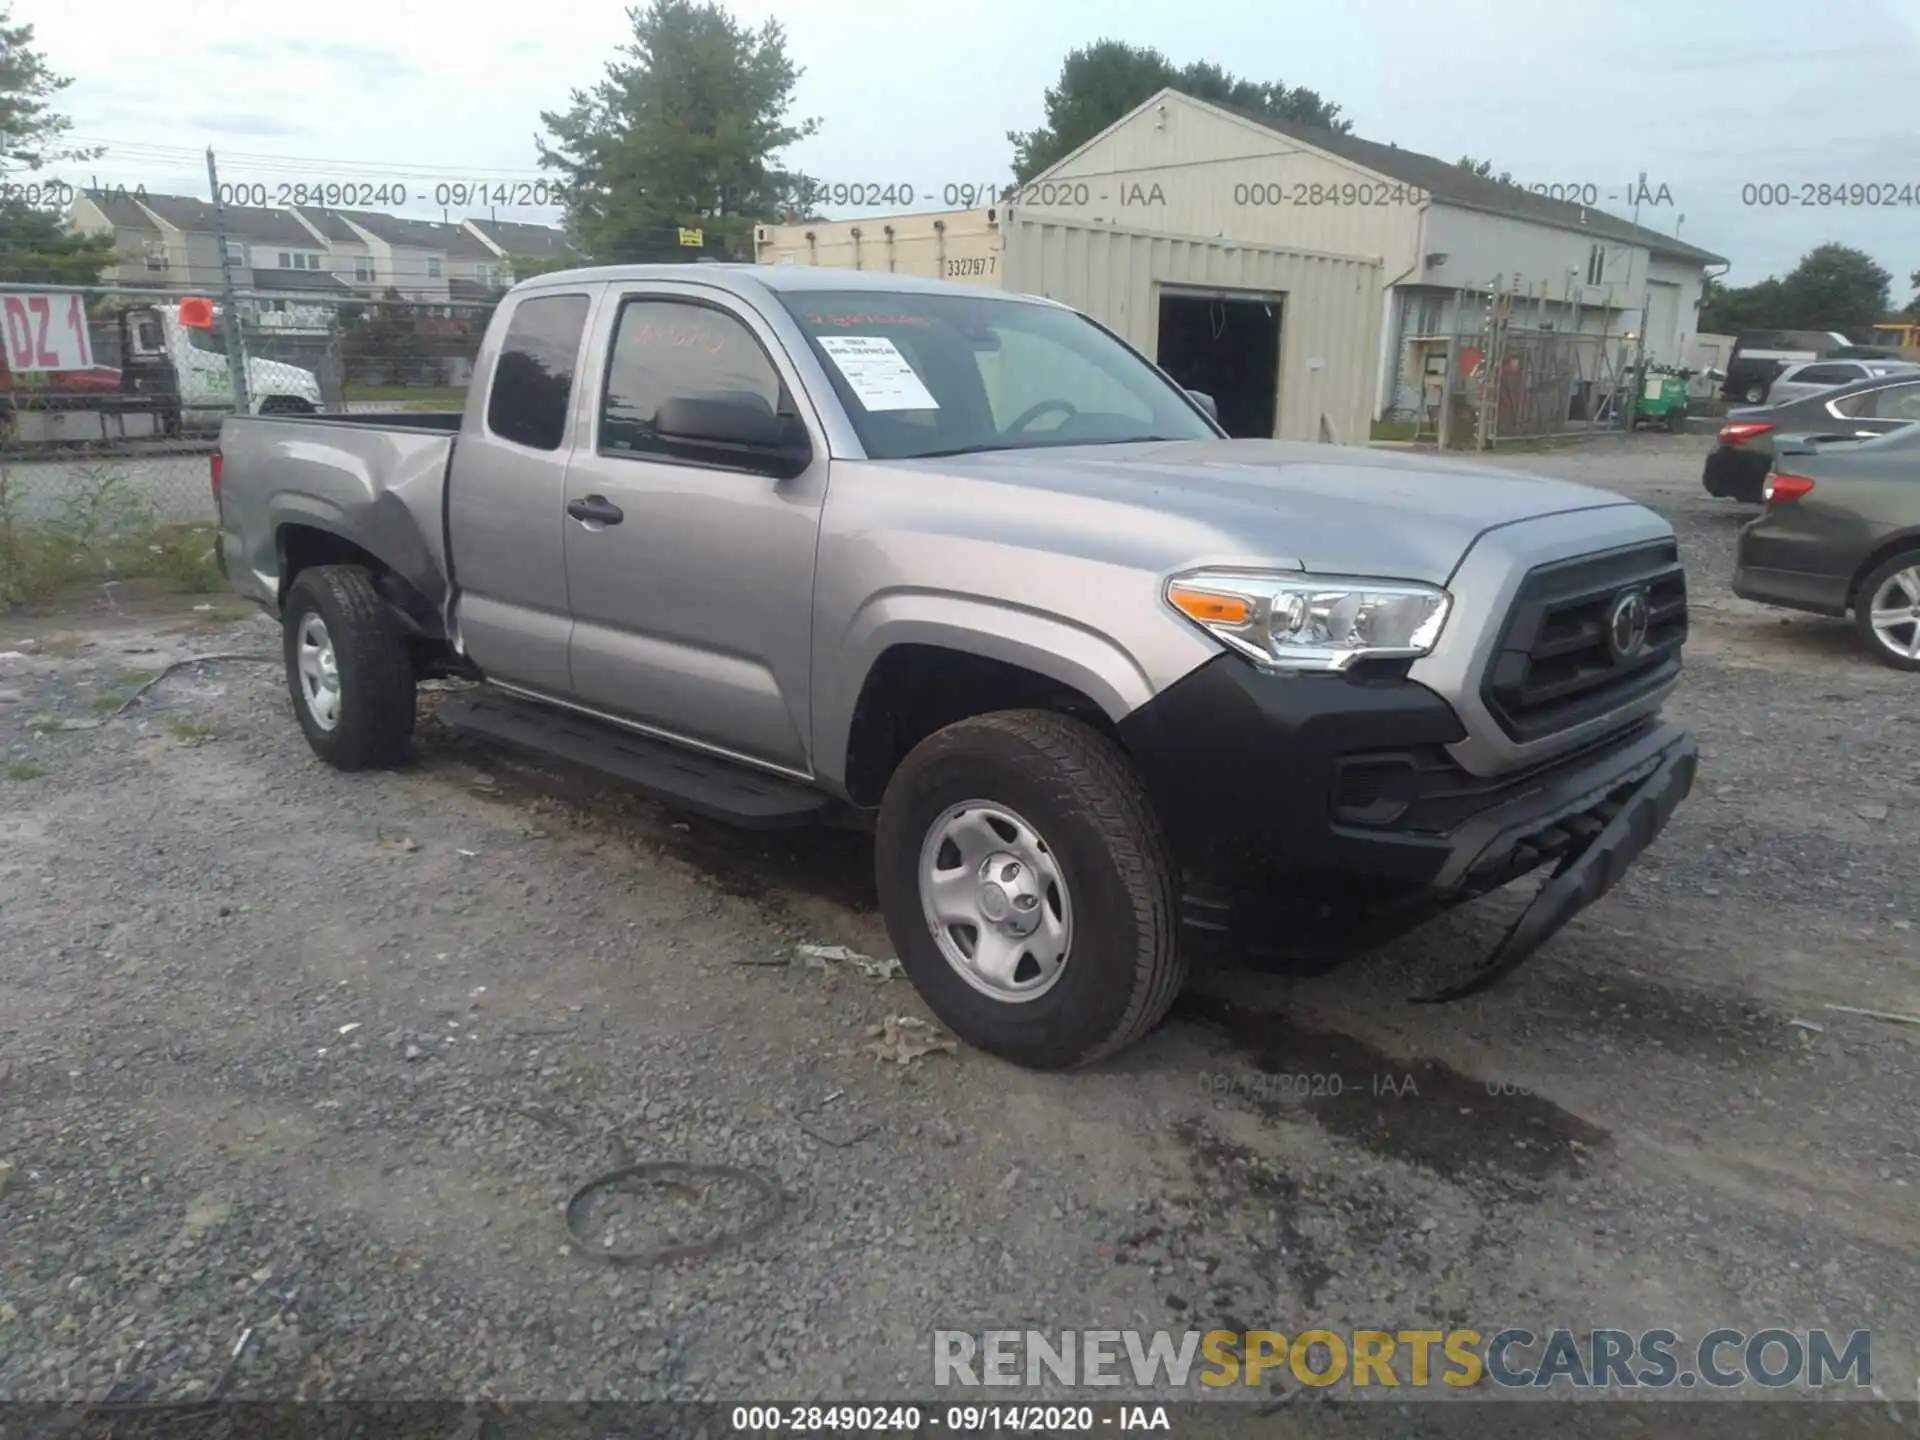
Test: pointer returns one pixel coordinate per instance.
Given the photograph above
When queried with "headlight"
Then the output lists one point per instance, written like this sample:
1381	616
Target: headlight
1312	622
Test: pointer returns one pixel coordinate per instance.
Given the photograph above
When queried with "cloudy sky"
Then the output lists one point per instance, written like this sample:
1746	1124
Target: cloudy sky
1704	99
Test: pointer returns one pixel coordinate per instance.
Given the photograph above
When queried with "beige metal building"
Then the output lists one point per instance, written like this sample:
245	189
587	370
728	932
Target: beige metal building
1177	165
1212	182
1282	339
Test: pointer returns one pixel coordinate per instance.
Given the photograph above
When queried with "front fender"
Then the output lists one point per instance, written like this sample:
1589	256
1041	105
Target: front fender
1047	645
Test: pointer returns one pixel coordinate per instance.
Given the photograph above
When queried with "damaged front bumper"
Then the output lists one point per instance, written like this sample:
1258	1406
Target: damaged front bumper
1597	835
1317	819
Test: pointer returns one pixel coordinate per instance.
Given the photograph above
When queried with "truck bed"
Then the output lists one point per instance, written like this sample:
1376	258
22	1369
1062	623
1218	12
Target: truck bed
379	478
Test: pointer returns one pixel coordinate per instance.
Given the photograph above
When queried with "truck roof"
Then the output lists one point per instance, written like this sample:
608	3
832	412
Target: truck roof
746	279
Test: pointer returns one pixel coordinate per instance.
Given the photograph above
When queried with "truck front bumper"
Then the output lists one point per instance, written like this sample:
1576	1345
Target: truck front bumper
1290	795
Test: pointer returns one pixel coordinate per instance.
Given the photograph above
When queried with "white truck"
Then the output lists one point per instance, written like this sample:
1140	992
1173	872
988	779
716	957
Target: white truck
171	377
205	378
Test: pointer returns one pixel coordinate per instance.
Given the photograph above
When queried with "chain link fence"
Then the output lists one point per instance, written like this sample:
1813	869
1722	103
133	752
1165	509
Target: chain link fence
111	401
1502	379
123	381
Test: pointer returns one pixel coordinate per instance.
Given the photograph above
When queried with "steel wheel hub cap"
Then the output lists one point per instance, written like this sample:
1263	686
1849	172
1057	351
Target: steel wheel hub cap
1896	608
319	674
996	901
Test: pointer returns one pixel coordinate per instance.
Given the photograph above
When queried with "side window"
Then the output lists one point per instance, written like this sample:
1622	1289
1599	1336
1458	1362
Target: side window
1896	402
672	349
533	379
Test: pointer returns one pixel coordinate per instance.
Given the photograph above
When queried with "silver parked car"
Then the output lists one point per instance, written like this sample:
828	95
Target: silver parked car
1811	377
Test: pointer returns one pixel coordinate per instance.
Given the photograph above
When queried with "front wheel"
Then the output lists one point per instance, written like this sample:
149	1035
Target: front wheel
1888	611
1028	889
349	669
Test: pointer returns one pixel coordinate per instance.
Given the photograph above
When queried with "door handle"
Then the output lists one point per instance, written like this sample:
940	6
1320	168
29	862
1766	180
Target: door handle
595	510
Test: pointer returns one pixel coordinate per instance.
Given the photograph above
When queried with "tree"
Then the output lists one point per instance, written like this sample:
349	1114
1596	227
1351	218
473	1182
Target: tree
684	131
1913	306
1834	287
380	343
525	267
1484	169
34	245
1101	82
36	249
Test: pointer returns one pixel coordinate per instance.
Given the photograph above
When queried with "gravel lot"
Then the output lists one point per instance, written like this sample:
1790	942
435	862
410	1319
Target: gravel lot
322	1057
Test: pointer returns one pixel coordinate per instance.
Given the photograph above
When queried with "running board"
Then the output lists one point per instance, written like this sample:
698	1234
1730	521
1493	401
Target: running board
718	789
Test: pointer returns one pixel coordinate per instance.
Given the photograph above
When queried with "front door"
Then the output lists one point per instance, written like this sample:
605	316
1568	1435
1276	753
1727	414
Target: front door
691	585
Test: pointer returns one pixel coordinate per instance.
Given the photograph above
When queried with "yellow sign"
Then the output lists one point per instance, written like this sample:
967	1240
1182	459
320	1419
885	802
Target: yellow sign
693	238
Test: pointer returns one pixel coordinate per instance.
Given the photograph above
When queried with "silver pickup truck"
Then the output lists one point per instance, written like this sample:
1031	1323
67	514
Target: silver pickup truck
786	545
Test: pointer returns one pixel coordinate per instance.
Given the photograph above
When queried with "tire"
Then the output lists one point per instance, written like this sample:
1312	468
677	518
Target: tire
1885	647
1677	421
334	609
1754	394
1079	797
285	405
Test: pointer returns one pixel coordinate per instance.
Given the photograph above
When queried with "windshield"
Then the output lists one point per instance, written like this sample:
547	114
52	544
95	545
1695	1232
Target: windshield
924	375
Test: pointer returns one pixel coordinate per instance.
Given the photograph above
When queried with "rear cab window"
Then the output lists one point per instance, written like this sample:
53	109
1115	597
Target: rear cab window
533	378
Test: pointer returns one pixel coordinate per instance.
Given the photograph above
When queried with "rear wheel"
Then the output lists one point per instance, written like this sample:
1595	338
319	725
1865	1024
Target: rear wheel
1028	889
1754	394
349	669
1887	613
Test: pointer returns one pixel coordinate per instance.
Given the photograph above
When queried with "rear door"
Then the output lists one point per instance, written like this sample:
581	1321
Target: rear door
506	500
693	610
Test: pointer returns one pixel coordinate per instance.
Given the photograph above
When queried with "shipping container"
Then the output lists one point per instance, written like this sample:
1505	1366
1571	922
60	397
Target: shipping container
965	246
1285	341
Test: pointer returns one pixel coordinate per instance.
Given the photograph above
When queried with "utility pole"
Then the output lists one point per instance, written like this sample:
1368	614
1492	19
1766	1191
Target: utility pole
237	363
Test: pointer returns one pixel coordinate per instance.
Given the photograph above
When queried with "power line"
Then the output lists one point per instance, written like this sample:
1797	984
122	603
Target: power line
290	164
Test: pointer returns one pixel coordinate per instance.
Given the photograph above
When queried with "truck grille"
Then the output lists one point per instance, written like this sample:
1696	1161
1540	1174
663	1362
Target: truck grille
1561	660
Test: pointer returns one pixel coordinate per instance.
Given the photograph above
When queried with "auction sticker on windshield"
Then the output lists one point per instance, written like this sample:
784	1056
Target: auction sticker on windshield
879	374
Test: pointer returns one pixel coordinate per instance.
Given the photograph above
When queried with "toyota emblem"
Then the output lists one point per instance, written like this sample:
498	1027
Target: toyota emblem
1627	625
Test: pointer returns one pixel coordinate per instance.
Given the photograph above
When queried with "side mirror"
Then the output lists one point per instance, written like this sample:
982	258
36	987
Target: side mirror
742	432
1205	402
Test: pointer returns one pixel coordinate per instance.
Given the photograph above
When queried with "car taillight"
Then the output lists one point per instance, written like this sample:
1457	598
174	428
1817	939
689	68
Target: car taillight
214	467
1738	432
1781	488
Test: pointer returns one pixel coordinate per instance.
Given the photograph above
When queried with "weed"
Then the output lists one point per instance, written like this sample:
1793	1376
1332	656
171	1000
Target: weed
108	703
188	733
24	770
101	529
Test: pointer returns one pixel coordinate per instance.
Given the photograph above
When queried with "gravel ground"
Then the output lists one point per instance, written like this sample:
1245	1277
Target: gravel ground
321	1058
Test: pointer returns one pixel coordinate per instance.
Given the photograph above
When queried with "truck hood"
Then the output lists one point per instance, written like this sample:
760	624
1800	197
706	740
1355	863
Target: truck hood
1322	508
